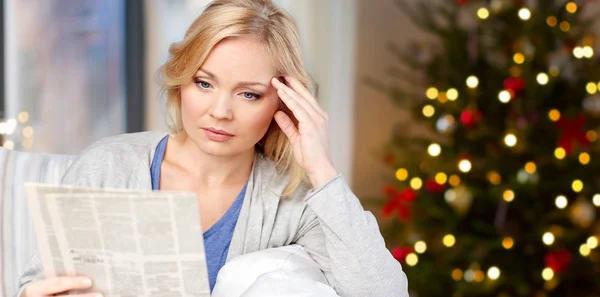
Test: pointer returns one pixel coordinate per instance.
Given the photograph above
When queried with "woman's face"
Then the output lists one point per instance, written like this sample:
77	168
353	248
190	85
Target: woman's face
229	104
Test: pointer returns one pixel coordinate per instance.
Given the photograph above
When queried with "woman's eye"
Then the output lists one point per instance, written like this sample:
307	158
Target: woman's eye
251	96
203	84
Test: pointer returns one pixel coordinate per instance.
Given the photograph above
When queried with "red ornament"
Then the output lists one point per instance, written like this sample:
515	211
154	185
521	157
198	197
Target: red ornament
433	187
470	117
514	85
400	253
461	2
558	260
399	203
573	131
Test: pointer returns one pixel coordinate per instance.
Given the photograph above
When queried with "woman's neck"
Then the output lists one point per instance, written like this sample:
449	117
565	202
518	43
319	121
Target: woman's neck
209	170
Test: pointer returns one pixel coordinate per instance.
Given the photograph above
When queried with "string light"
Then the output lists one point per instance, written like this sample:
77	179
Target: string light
519	58
596	200
551	21
449	240
507	243
27	143
479	276
457	274
464	165
565	26
542	78
504	96
412	259
454	180
554	71
577	185
591	88
420	247
23	117
571	7
432	93
469	275
588	52
416	183
441	178
591	135
524	14
442	97
428	111
493	273
592	242
494	177
434	149
472	82
554	115
548	238
508	195
401	174
510	140
483	13
452	94
560	153
530	167
9	145
598	85
584	250
27	132
577	51
584	158
561	202
547	273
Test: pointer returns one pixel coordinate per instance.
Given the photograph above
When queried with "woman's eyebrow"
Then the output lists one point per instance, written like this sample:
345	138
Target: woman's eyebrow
242	83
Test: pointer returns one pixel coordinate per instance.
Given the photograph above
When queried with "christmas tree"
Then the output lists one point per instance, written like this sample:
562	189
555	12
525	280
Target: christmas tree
498	193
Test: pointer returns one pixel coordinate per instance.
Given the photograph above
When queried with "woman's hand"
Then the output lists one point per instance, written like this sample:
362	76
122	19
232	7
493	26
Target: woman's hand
310	140
58	286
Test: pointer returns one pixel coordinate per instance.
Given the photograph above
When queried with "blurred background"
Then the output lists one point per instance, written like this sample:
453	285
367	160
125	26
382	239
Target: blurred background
468	127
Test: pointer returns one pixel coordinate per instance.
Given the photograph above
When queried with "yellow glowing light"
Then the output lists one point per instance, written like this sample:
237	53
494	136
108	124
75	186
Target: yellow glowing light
416	183
577	185
551	21
508	195
494	177
554	71
441	178
401	174
428	111
578	52
469	275
542	78
504	96
519	58
592	242
457	274
452	94
507	243
554	115
420	247
23	117
472	82
599	85
571	7
596	200
449	240
561	202
9	145
565	26
560	153
588	52
464	165
27	132
591	135
530	167
479	276
493	273
524	14
584	158
510	140
483	13
584	250
442	97
547	273
454	180
548	238
432	93
412	259
434	149
591	88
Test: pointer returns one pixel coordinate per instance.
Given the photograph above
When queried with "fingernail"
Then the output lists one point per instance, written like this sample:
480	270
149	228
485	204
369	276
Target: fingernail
86	281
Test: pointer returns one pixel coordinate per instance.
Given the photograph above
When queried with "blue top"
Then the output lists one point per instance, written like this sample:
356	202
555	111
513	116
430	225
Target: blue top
218	237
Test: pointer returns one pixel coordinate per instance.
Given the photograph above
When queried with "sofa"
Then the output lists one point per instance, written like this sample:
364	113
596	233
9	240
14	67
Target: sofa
286	271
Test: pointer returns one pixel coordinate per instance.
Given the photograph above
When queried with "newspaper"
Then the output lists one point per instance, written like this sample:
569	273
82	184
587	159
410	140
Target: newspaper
131	243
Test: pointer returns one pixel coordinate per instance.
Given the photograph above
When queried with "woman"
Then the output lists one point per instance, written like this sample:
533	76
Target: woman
249	138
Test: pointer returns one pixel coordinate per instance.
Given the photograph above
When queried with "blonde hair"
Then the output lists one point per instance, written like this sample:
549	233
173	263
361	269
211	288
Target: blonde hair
276	30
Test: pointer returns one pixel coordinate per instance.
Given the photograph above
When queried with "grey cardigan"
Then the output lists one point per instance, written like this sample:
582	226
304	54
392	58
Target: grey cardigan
329	221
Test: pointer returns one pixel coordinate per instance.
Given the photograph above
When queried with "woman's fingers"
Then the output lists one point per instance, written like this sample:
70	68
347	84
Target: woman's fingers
294	100
57	285
297	86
